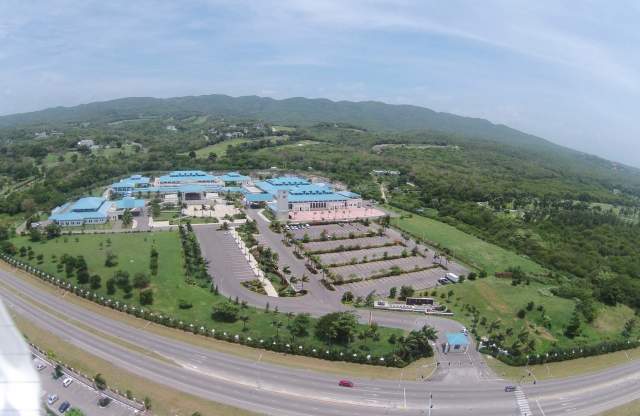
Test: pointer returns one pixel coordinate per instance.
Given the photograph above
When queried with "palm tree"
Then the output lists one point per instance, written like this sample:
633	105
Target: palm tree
244	319
430	332
293	280
277	325
304	280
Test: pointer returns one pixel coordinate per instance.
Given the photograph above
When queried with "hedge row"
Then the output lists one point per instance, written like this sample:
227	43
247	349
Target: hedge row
563	354
271	344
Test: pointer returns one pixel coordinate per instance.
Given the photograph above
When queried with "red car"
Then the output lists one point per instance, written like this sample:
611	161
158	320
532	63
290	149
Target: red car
345	383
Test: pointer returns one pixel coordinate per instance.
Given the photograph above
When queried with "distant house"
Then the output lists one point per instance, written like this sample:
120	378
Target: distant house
385	172
171	127
85	143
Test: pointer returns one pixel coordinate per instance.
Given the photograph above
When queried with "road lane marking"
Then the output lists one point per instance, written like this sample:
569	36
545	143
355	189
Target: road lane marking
522	402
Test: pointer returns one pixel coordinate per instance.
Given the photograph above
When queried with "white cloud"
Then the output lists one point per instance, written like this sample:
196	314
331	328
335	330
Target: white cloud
536	65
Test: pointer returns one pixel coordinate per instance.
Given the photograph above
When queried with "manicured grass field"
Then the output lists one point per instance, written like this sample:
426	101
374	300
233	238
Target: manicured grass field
466	247
167	215
283	128
220	149
169	286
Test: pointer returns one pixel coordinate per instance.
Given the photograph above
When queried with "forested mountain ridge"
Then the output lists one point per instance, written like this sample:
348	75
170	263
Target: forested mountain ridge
302	111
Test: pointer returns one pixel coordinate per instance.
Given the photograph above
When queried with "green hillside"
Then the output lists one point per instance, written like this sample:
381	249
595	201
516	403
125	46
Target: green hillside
302	111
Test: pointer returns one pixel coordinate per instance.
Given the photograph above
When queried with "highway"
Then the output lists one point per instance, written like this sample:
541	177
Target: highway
273	389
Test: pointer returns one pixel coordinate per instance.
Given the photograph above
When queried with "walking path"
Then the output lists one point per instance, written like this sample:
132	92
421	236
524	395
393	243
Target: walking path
266	283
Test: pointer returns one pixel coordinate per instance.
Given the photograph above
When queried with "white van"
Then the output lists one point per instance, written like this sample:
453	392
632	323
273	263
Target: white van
453	278
67	381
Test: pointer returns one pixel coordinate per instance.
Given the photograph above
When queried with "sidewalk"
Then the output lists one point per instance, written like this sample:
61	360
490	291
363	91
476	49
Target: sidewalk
266	283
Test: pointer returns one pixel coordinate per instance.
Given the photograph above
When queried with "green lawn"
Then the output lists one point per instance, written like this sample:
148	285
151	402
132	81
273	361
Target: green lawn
52	158
282	128
301	143
167	215
169	286
497	299
470	249
220	149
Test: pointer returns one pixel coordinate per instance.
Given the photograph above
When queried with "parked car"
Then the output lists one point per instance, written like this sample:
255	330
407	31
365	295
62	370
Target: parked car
64	407
443	281
104	401
52	398
345	383
67	381
509	389
40	366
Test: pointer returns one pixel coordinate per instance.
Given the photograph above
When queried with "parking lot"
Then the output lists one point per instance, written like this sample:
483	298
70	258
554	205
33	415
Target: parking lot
227	260
366	270
341	230
319	246
418	280
346	257
79	395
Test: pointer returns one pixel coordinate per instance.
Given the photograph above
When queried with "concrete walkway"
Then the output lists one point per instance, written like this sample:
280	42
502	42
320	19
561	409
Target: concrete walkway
255	267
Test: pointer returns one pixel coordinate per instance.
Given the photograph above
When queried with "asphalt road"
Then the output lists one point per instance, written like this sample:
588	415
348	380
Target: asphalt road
273	389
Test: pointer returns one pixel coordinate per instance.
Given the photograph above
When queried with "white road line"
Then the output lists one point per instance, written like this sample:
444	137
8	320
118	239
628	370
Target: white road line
540	408
404	393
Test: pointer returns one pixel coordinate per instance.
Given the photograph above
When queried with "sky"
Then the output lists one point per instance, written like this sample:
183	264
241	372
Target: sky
563	70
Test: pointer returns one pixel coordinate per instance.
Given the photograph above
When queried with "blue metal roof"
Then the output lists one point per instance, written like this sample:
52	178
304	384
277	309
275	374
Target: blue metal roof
287	181
84	208
129	203
88	203
310	189
190	187
456	338
348	194
133	181
234	177
232	189
187	176
259	197
317	197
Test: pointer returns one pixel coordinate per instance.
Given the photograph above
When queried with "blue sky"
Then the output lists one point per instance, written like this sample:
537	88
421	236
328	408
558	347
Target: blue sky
566	71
